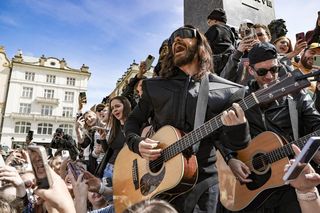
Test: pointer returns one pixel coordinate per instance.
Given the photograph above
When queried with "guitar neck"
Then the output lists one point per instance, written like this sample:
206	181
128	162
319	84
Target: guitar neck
204	130
287	150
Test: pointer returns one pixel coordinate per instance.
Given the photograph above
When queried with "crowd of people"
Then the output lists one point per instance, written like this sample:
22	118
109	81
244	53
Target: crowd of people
215	69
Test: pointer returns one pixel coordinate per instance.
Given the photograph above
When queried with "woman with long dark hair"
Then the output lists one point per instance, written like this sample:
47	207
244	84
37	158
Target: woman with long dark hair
120	108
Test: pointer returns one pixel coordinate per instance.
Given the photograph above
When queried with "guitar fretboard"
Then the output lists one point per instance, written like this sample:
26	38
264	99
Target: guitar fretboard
204	130
287	150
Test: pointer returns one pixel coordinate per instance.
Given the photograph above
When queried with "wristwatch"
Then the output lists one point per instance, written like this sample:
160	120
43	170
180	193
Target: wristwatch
308	196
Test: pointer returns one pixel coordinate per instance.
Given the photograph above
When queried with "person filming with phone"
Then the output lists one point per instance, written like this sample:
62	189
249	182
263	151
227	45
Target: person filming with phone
306	186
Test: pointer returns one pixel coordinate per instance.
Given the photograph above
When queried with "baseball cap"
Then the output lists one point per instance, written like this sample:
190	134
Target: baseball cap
314	45
262	52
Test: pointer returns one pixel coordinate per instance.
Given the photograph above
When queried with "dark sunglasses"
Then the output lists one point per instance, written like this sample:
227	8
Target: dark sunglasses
263	71
183	33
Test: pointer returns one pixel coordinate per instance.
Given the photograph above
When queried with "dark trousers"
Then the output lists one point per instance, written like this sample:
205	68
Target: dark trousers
192	202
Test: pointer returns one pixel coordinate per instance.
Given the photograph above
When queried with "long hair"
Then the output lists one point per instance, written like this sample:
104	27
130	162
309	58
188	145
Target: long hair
204	55
115	125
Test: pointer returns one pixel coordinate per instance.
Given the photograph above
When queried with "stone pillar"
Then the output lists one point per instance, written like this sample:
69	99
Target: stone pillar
258	11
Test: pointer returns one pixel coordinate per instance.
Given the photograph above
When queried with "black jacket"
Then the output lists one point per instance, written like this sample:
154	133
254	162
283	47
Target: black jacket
173	102
275	117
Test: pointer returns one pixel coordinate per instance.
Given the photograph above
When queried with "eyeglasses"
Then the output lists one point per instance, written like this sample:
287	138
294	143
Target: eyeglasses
183	32
263	71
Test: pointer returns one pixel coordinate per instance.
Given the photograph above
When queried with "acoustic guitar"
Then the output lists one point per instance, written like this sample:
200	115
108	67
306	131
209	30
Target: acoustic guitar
266	157
136	179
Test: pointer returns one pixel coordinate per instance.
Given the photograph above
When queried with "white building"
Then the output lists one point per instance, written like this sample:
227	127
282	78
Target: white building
42	96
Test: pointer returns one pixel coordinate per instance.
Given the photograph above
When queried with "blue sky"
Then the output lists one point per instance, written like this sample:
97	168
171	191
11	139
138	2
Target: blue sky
107	35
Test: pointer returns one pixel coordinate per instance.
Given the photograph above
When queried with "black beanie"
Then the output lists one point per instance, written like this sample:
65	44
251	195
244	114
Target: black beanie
218	14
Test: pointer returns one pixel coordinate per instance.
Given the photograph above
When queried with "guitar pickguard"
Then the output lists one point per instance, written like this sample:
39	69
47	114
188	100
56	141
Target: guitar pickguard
150	182
258	180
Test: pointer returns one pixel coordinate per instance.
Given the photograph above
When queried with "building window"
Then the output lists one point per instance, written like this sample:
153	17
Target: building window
48	93
44	129
22	127
67	111
25	108
46	110
27	92
71	81
29	76
67	128
51	79
69	96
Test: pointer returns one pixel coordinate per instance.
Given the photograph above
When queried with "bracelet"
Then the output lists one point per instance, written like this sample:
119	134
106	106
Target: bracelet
228	157
102	188
308	196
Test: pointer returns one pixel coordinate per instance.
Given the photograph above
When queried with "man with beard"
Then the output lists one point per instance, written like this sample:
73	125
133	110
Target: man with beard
305	65
171	99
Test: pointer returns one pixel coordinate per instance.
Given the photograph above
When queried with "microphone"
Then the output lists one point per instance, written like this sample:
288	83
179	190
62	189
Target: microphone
314	74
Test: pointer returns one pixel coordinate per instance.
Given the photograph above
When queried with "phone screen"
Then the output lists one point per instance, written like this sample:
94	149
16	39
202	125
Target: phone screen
30	135
316	60
83	97
300	36
149	61
74	169
307	153
38	158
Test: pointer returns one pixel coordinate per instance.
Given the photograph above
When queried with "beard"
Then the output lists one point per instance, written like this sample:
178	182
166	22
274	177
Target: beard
187	57
304	61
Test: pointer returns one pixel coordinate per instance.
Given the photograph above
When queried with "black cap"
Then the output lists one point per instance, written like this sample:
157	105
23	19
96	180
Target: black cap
262	52
218	14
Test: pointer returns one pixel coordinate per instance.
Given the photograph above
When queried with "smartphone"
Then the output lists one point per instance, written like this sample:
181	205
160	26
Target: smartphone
2	163
300	36
74	169
30	135
250	32
83	97
316	60
307	153
40	166
149	61
65	154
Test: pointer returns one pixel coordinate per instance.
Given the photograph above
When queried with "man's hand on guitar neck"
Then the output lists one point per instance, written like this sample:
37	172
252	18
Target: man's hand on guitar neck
147	149
233	117
240	170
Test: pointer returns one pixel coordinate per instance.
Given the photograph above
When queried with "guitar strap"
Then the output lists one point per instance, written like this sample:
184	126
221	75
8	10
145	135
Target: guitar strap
201	109
293	117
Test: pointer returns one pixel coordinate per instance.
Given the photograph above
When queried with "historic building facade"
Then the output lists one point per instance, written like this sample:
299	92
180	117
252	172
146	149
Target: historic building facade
125	78
42	96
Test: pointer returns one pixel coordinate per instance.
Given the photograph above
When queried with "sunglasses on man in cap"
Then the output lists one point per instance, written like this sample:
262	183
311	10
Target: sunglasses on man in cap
183	32
263	71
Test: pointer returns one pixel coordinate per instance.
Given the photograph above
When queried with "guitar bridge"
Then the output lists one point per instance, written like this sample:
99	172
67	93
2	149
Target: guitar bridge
135	174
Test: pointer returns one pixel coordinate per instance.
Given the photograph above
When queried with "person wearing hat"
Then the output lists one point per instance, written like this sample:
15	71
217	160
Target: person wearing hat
305	65
221	38
275	117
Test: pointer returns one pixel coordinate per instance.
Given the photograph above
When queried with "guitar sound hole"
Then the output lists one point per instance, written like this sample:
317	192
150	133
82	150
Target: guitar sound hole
156	165
260	162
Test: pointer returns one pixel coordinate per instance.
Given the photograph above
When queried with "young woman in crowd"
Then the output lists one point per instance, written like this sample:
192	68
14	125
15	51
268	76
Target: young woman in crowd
93	130
120	108
284	47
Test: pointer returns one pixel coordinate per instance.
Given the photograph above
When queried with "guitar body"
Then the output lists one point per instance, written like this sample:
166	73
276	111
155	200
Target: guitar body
236	196
135	180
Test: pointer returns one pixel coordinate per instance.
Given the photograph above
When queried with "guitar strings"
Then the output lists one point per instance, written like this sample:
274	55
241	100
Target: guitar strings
252	101
158	161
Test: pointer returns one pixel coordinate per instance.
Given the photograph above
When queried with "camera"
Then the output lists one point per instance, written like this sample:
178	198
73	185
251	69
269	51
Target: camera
63	141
